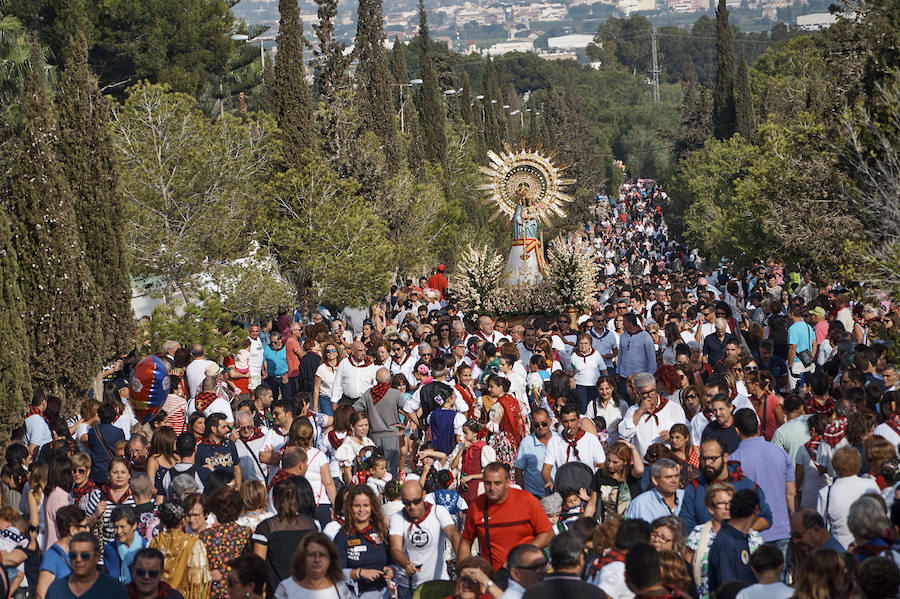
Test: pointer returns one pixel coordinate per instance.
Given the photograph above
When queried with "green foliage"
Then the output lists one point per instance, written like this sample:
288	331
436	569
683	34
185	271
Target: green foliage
86	153
724	112
190	186
15	375
325	237
743	101
431	99
60	305
376	105
203	320
695	111
330	62
252	287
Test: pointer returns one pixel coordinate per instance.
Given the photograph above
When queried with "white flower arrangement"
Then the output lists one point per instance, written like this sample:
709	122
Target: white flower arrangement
571	274
480	272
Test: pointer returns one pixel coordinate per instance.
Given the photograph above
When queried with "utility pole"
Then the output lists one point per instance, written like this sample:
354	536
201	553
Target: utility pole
655	69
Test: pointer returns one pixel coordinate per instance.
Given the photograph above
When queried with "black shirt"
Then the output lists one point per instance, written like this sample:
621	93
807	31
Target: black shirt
728	435
563	585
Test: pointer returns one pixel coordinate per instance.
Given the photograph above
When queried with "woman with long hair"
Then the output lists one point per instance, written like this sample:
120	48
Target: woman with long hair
469	460
505	420
315	571
276	537
673	338
353	444
617	483
59	484
545	348
682	448
761	386
185	567
332	354
362	543
101	502
162	458
197	425
318	472
608	405
822	576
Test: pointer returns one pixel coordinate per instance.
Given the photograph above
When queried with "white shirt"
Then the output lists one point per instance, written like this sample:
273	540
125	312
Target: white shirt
219	405
513	590
563	349
646	431
844	492
888	433
525	353
776	590
256	358
517	388
36	431
588	368
589	449
612	413
248	458
196	372
405	368
611	580
423	544
352	379
493	338
326	379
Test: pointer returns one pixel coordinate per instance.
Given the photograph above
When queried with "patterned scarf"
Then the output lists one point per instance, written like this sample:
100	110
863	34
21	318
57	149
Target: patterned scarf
612	556
279	476
79	492
512	423
468	398
361	477
164	591
366	533
811	406
379	391
812	446
335	441
367	361
659	407
107	493
734	472
573	444
32	411
203	400
834	432
257	434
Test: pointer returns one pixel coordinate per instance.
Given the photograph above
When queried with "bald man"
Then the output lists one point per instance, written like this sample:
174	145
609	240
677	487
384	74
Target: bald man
418	534
383	405
354	376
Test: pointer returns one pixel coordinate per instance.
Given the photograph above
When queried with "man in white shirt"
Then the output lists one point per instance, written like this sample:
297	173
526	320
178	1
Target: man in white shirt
649	420
418	534
37	430
354	375
486	331
250	441
573	444
528	345
196	370
256	357
563	340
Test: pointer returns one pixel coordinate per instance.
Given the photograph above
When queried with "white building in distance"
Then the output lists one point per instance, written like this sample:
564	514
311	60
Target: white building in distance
575	41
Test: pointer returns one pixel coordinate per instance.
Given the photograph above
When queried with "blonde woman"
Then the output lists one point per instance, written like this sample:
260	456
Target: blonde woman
37	483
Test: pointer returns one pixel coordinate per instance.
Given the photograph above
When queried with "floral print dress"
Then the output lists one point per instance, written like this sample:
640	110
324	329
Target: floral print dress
223	542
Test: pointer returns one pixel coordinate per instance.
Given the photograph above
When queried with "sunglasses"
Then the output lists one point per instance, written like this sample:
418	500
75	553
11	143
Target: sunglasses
534	567
409	502
330	351
80	470
542	424
146	573
82	555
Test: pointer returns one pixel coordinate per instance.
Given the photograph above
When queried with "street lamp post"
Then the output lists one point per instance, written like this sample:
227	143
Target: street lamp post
403	100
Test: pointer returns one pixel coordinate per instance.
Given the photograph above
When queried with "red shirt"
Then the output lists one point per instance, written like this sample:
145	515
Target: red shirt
516	520
438	281
292	347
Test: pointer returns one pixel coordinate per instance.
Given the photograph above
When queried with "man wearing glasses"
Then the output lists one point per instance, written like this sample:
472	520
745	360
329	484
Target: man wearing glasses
146	577
85	581
419	533
530	457
527	567
649	420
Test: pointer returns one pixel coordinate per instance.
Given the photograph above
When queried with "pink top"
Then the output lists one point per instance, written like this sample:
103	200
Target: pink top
52	503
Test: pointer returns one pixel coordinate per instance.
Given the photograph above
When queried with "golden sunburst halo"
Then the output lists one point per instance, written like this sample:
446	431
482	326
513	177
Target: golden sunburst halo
527	178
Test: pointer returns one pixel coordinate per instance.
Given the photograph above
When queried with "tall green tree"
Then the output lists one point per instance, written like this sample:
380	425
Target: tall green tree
330	63
373	80
724	113
431	99
398	71
694	129
489	102
465	101
291	98
87	155
743	100
59	296
15	376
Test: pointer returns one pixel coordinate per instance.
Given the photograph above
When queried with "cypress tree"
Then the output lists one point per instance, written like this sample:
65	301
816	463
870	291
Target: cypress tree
373	81
330	63
416	150
431	101
743	101
534	133
465	100
478	119
86	153
398	71
291	99
694	129
15	375
724	114
491	130
57	286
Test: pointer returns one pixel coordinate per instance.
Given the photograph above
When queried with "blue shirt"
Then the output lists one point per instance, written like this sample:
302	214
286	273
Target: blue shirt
777	366
56	561
729	557
105	587
650	505
801	335
603	343
276	360
694	510
636	354
771	467
530	460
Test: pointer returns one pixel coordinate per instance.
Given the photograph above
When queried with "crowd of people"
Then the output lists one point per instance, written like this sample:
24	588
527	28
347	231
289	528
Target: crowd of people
701	431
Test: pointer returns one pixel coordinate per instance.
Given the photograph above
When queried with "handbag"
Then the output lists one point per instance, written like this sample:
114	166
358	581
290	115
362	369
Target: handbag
806	357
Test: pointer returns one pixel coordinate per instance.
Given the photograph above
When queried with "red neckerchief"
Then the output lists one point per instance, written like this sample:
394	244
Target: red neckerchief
366	534
32	411
478	333
573	443
279	476
814	407
513	423
670	592
834	432
582	356
211	443
367	361
469	398
405	360
164	591
894	422
334	440
612	556
659	407
203	400
379	391
79	492
361	477
107	492
736	474
257	434
812	446
418	521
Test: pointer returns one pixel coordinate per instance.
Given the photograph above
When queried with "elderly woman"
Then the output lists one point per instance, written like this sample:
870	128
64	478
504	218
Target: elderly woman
667	535
835	500
226	540
718	502
871	529
186	568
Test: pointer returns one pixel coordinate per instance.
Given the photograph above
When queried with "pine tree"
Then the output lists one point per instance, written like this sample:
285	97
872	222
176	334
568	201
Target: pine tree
15	375
724	114
373	81
291	99
743	101
330	62
57	287
431	101
85	150
465	101
694	129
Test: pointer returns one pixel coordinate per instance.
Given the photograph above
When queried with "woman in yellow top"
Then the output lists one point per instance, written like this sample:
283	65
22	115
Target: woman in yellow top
186	566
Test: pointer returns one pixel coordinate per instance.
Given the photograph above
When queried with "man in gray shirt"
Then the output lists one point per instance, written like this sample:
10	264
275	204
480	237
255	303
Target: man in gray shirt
383	404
